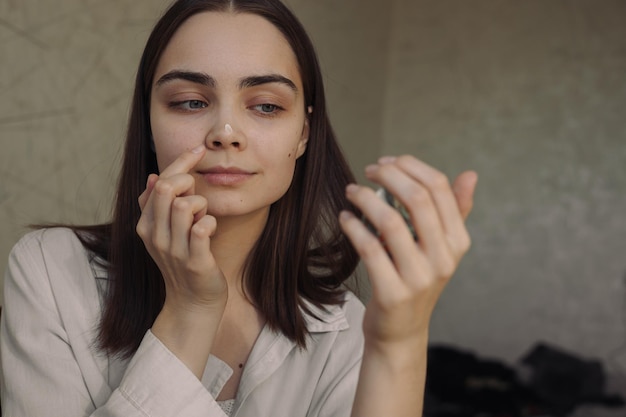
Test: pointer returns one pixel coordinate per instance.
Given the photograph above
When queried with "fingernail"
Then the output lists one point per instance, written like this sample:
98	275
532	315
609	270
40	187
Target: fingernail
370	169
197	149
351	188
386	159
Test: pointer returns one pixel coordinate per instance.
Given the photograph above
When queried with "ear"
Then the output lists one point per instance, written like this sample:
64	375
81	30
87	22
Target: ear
304	139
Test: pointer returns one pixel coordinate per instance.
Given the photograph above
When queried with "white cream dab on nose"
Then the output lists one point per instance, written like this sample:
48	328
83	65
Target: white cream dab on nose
228	129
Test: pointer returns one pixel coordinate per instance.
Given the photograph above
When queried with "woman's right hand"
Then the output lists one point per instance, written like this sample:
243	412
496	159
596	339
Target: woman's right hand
176	231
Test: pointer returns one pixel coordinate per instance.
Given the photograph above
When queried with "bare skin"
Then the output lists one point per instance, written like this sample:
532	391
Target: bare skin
407	282
177	233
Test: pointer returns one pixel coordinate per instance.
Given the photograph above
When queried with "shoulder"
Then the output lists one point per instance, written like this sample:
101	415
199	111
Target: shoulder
51	313
50	239
52	257
36	249
339	354
51	281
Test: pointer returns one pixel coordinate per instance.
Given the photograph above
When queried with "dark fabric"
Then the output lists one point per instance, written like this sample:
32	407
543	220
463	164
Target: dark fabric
461	384
565	381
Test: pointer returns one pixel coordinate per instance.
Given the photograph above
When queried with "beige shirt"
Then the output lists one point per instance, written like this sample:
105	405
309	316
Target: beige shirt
50	366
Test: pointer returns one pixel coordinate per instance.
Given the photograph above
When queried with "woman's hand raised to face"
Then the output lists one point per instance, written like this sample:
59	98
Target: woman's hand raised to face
176	231
408	276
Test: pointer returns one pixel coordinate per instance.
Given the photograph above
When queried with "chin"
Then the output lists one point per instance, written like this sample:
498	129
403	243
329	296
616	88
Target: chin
240	210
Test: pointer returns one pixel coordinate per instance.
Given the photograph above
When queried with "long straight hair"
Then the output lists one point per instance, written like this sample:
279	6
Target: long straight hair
301	253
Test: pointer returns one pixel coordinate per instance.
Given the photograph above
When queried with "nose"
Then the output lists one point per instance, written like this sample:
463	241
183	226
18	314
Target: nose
225	136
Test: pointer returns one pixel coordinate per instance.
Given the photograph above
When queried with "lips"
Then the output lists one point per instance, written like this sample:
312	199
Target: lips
226	176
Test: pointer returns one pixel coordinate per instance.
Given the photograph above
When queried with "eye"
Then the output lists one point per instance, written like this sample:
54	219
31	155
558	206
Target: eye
267	108
196	104
188	105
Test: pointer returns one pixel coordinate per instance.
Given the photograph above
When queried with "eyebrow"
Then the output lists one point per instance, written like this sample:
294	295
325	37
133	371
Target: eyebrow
207	80
255	80
192	76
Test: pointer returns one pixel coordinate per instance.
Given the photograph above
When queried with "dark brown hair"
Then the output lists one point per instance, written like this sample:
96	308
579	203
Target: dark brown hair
301	254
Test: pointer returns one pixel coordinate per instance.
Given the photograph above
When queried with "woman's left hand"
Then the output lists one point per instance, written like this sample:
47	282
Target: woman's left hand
407	276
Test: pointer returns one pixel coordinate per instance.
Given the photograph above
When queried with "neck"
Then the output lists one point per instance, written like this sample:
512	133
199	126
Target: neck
232	243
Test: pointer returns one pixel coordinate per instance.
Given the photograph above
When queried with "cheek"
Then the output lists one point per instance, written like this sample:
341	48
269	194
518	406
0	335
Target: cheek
287	163
170	142
293	153
165	147
282	157
293	147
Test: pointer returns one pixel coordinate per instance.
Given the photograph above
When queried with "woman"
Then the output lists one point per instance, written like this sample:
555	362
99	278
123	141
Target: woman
217	289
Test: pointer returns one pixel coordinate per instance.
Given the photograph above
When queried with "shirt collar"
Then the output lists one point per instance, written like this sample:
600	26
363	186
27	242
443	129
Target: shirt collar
327	318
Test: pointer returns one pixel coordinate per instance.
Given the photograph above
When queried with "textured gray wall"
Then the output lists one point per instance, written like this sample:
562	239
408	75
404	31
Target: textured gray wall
66	73
531	94
352	38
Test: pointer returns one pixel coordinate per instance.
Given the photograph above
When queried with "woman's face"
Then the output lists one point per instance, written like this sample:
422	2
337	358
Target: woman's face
231	82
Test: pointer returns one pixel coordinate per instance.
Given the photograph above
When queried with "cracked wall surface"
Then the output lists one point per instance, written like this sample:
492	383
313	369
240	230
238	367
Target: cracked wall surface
65	76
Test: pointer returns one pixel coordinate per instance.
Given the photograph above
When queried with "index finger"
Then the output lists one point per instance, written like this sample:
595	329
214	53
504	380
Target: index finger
184	162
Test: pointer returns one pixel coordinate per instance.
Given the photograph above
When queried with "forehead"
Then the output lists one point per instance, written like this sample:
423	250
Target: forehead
226	44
